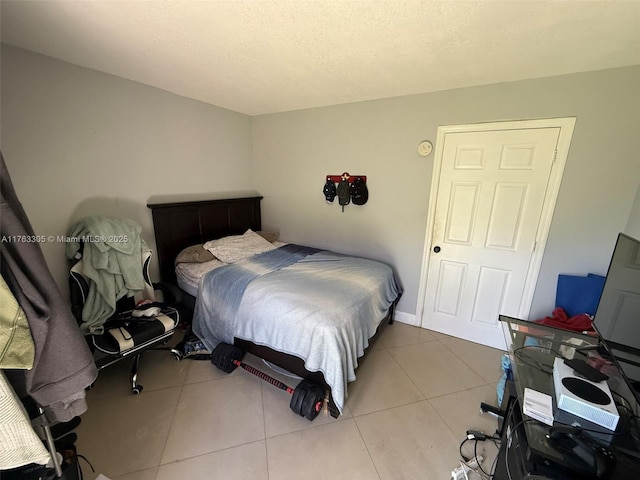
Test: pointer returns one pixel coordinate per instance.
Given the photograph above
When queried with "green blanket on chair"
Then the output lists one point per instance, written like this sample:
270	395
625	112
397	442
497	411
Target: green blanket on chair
111	260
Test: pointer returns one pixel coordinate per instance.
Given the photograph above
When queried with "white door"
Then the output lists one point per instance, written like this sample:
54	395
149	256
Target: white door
493	203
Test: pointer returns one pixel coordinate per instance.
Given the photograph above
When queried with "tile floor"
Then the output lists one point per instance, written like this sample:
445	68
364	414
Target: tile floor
416	395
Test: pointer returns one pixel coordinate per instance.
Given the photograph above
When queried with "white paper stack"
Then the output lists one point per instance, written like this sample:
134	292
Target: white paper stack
538	405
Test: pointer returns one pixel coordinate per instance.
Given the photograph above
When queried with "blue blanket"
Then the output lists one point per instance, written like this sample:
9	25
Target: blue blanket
222	289
320	306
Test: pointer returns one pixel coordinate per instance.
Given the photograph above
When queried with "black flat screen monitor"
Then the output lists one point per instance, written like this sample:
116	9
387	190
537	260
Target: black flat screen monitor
617	318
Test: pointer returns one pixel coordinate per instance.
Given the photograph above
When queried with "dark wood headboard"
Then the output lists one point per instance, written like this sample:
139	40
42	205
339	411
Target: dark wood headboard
178	225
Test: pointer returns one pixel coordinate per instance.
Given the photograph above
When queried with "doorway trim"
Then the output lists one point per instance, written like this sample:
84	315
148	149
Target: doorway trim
566	126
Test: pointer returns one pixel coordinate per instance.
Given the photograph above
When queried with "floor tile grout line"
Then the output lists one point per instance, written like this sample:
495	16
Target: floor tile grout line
399	405
386	409
266	457
204	454
173	419
264	429
160	464
355	417
407	373
425	400
463	361
265	439
373	462
426	397
313	426
444	421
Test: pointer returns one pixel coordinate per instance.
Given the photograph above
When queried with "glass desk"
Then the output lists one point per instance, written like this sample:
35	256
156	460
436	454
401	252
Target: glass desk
533	349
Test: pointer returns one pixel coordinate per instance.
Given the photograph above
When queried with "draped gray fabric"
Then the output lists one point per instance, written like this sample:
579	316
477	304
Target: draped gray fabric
63	365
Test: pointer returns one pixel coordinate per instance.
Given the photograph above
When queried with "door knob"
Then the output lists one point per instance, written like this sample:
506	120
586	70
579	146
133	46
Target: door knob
436	249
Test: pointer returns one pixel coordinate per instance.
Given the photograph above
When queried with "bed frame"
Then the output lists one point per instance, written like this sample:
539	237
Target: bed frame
180	224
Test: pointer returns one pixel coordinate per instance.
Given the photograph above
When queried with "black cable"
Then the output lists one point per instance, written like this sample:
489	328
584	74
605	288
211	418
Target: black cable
632	417
506	451
496	442
493	466
466	460
510	433
549	370
508	437
470	436
532	362
540	347
626	400
593	430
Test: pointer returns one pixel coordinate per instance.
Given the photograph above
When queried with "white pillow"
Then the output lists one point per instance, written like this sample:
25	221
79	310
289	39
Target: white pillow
238	247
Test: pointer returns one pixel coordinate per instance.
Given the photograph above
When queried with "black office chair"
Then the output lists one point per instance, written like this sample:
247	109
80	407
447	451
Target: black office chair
138	324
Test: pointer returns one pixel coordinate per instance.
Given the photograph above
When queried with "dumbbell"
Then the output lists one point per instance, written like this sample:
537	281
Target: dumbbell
306	399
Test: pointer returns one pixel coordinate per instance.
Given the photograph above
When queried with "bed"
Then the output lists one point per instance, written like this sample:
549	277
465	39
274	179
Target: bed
181	224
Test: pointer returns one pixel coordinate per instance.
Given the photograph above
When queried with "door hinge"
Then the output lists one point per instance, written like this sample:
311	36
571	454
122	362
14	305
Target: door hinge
535	244
555	154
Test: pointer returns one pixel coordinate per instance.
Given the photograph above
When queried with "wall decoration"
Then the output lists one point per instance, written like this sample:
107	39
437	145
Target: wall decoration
348	188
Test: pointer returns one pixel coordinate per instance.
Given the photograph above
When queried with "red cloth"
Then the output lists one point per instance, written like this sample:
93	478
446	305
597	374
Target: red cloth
560	319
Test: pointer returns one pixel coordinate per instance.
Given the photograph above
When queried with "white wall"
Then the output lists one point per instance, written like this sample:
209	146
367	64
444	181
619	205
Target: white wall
294	151
78	142
633	225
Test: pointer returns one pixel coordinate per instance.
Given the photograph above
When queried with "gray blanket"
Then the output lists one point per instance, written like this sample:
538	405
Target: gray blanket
317	305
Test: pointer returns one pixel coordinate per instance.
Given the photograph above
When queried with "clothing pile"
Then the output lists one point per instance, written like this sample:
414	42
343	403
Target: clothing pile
43	354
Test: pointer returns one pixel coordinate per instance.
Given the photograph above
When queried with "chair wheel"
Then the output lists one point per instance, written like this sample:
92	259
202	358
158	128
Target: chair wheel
136	390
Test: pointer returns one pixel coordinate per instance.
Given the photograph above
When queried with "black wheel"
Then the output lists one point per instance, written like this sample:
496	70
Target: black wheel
137	390
223	357
306	399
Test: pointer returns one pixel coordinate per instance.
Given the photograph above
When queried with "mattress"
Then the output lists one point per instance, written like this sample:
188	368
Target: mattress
188	275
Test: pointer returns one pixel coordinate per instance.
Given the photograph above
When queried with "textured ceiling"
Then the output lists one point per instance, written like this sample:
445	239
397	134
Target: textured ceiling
264	56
